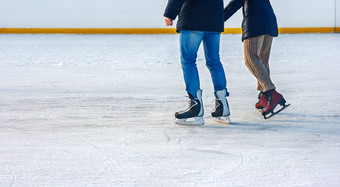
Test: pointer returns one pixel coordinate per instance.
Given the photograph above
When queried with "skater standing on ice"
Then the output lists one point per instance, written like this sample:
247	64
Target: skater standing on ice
199	21
259	26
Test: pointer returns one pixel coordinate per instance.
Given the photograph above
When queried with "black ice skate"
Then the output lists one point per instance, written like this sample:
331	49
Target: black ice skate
221	111
193	115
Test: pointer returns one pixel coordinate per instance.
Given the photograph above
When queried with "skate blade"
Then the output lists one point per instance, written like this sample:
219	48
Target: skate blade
224	120
260	110
195	121
273	113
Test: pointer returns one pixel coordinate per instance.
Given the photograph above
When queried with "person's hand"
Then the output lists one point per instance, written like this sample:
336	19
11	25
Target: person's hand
168	22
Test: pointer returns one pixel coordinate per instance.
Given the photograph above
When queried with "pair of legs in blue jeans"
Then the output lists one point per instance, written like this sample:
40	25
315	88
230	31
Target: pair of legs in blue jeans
189	44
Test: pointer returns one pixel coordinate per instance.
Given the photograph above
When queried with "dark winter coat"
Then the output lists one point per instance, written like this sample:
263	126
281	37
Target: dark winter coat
199	15
258	17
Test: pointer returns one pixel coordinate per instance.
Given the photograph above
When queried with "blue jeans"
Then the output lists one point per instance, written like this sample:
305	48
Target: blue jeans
189	44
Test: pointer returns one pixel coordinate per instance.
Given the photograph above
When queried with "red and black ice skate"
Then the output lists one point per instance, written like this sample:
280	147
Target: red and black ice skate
273	99
262	102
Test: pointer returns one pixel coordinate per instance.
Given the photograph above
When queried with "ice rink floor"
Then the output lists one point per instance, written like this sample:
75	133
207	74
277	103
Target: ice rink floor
98	110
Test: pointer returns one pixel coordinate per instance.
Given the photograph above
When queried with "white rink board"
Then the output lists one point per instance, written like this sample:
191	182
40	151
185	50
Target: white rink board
145	14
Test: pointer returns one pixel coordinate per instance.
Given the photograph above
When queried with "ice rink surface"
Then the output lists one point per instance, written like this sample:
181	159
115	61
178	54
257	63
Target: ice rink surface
98	110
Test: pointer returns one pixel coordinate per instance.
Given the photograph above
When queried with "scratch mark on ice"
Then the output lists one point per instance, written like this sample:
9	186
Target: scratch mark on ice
96	147
167	136
13	177
241	155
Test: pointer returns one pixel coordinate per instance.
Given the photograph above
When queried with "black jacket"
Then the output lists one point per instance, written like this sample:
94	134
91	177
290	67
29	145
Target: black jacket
258	17
199	15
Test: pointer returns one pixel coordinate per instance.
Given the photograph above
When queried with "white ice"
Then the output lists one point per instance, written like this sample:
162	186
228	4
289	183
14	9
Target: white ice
98	110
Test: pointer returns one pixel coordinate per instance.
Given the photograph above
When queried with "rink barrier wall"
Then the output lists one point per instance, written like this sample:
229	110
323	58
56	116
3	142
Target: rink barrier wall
149	30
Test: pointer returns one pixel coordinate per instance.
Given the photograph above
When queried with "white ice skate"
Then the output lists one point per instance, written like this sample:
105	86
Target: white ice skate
221	111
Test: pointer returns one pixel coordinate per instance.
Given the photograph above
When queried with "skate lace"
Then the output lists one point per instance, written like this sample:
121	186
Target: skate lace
216	103
189	106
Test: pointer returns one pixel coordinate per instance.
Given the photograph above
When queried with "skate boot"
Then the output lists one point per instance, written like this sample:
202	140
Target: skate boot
273	99
221	111
193	115
262	102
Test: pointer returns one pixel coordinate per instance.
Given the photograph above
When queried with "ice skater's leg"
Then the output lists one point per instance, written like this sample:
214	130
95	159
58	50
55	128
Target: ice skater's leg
189	44
265	54
211	43
253	61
